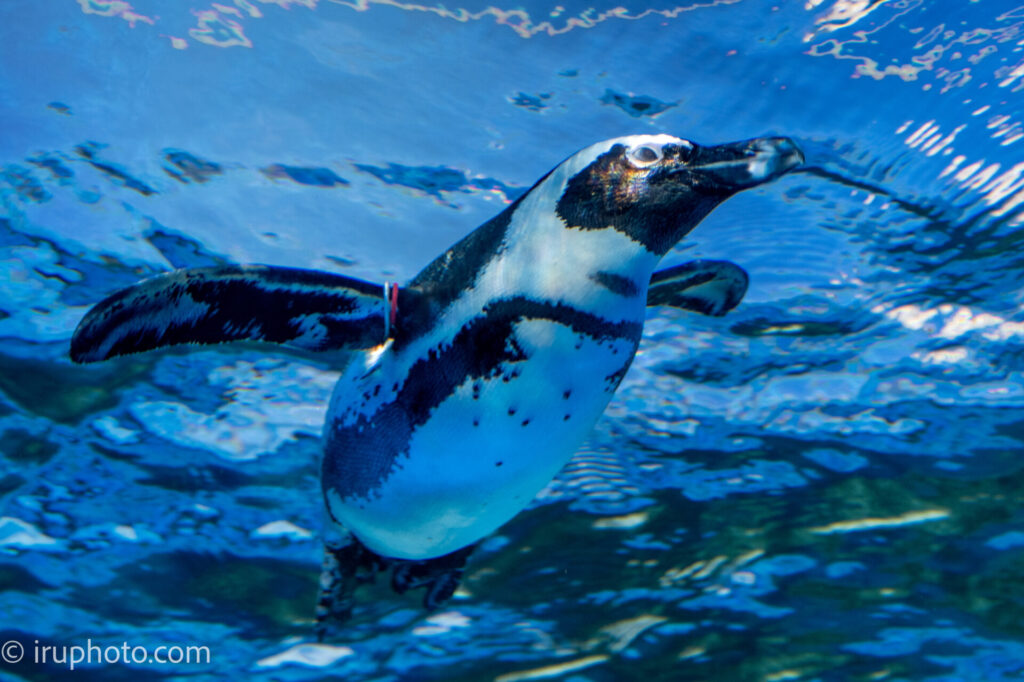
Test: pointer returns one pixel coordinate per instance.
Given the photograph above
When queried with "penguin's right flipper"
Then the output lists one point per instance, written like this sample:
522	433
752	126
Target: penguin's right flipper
711	287
303	309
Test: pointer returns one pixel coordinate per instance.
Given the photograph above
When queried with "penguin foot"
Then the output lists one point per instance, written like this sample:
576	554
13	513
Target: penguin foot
440	575
348	564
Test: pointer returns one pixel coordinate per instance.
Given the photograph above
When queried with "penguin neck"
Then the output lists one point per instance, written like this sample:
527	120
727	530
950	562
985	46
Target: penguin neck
600	270
527	250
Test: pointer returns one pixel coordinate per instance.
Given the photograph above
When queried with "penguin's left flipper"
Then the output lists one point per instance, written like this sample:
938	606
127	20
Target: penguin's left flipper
711	287
304	309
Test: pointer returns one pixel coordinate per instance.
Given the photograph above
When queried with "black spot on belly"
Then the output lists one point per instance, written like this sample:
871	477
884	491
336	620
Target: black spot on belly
525	422
360	455
565	396
615	378
498	464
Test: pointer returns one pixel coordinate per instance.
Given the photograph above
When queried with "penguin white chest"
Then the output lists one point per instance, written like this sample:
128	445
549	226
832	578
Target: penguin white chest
425	456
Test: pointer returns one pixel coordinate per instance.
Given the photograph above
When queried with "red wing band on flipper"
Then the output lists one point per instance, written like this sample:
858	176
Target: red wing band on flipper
304	309
711	287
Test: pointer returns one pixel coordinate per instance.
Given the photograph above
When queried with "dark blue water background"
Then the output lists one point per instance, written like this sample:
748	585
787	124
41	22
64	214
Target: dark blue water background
823	485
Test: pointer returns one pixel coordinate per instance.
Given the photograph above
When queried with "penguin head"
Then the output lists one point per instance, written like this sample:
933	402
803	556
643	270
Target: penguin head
656	188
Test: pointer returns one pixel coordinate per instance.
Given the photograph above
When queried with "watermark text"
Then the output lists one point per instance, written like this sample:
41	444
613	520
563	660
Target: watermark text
13	652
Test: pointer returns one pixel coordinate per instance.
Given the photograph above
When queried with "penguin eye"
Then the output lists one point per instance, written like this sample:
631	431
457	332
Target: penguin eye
644	156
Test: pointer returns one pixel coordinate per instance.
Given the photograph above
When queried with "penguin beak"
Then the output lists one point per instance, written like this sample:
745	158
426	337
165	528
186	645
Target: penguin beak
745	164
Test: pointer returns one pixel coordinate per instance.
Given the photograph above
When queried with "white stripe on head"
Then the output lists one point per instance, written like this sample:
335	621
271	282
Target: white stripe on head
583	158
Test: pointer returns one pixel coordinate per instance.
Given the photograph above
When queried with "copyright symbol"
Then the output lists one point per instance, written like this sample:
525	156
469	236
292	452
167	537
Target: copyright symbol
12	651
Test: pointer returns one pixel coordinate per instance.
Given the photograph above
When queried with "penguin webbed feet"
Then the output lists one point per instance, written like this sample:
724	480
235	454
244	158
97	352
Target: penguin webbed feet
349	564
346	566
440	576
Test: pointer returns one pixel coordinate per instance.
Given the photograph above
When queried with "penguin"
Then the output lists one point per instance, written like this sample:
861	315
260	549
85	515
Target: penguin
471	385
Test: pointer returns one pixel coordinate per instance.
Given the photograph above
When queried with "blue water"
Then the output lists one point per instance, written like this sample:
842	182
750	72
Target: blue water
823	485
